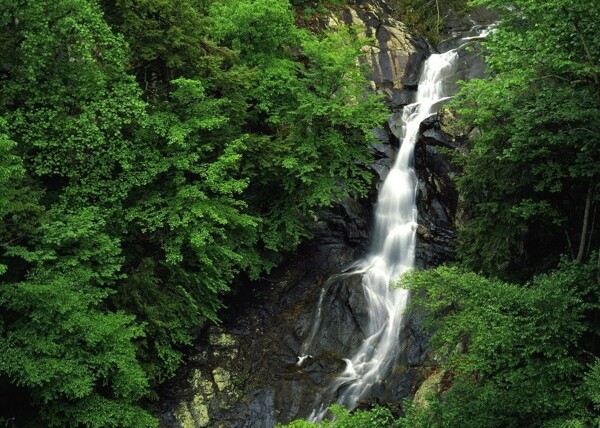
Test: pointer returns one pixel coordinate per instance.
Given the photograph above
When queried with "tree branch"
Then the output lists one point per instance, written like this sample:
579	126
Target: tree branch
570	245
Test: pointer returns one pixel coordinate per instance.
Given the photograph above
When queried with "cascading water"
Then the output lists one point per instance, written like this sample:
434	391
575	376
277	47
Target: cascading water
392	252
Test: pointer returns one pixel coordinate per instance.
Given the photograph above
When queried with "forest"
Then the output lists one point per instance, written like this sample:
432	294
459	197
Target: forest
156	154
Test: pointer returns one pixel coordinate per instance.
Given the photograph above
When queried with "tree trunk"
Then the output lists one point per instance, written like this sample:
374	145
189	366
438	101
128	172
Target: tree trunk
591	234
585	226
598	268
570	245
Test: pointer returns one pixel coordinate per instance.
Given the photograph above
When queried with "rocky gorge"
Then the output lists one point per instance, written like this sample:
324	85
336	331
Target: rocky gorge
244	372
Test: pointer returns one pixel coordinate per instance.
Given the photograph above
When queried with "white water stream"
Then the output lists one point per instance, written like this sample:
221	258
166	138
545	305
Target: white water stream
392	252
393	244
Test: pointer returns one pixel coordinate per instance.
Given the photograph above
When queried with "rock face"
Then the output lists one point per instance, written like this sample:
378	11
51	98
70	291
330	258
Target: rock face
245	372
395	57
437	196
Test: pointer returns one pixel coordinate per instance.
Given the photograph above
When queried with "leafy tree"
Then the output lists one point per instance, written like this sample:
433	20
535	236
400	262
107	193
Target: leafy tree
592	389
67	97
217	180
312	111
187	229
67	101
11	168
150	155
189	233
170	40
77	360
513	355
426	17
531	177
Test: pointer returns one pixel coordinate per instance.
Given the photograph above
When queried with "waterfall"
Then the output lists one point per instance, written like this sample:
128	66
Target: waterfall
393	243
392	251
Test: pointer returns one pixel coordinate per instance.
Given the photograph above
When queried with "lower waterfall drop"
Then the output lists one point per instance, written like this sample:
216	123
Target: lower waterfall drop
392	252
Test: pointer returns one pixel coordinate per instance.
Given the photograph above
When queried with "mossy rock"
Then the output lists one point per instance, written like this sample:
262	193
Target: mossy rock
450	124
222	339
194	414
428	389
222	378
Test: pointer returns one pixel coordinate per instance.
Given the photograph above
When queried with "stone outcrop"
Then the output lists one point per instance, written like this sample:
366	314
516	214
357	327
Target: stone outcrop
394	56
437	196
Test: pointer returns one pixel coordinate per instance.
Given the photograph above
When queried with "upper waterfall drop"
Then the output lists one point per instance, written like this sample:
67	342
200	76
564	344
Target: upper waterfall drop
392	250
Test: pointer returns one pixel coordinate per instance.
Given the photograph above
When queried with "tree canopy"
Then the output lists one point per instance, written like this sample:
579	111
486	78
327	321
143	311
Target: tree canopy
150	153
530	179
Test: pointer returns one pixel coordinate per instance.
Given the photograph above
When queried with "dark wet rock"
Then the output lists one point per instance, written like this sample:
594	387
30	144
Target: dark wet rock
384	155
259	342
470	62
437	196
340	330
432	134
261	400
382	138
348	220
464	32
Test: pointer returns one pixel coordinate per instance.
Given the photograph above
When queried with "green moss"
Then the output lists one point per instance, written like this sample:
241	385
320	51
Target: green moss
222	339
201	385
428	389
451	124
200	411
184	416
222	378
194	414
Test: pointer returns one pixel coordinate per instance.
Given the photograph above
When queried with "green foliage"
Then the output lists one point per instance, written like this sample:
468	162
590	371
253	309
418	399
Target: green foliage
167	39
150	153
378	417
515	355
592	389
77	360
527	175
11	164
20	209
317	116
69	97
269	24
